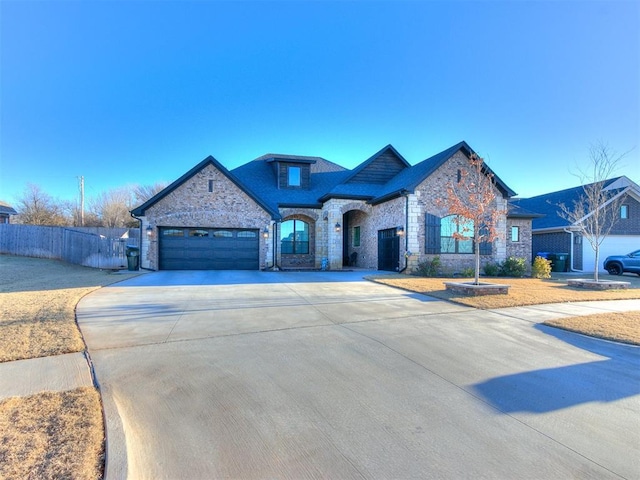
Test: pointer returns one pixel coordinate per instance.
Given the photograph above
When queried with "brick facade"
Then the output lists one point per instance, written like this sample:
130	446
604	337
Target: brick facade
193	205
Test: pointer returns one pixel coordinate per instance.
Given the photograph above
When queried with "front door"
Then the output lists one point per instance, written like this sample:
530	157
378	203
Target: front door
388	250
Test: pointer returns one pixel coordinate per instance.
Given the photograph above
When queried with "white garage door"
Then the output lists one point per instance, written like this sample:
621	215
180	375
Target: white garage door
612	245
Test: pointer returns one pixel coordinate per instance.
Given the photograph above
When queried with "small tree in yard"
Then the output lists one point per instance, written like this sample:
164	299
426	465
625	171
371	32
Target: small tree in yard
596	211
473	201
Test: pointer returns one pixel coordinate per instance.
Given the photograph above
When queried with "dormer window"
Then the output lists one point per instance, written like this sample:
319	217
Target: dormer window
293	176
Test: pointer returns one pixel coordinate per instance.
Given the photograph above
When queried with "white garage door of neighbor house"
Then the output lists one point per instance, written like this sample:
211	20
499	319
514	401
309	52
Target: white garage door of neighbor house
209	248
612	245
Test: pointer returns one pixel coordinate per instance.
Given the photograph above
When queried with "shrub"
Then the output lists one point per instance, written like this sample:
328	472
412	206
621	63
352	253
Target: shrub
492	269
468	272
428	268
513	267
541	268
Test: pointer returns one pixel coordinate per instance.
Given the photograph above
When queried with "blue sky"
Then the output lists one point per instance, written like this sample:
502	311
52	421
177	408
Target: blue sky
141	91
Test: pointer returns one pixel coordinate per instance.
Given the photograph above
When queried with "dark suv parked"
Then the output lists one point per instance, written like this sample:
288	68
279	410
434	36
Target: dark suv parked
618	264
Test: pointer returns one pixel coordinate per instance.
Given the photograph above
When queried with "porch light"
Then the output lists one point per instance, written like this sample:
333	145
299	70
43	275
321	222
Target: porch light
400	231
149	230
265	233
338	227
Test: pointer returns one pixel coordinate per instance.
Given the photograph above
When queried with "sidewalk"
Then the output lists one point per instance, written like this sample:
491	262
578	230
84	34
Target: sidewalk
58	373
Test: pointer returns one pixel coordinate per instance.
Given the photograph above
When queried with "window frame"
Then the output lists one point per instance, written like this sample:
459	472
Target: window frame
290	170
515	229
624	212
298	247
356	236
455	242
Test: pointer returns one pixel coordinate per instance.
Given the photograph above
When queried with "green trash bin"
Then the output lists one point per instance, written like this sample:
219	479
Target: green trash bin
559	262
133	257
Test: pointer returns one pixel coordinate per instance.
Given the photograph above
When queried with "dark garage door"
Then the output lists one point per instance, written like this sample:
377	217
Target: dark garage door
209	249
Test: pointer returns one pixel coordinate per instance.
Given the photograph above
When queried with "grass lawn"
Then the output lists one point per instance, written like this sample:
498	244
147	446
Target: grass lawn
624	327
51	434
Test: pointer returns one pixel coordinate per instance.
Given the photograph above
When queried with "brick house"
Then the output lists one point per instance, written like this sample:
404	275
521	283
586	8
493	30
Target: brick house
554	234
288	211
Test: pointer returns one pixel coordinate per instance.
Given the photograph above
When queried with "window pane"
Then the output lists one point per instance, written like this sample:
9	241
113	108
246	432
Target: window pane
294	236
447	245
356	236
198	233
515	234
246	234
465	246
173	232
624	211
302	230
294	176
287	247
223	233
301	247
286	231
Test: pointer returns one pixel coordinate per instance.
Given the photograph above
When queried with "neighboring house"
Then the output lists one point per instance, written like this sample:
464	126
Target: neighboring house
286	211
5	212
554	234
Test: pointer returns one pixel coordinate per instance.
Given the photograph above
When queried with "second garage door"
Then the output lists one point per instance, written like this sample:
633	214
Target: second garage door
209	249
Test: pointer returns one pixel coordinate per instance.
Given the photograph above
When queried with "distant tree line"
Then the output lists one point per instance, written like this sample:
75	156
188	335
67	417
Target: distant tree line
107	209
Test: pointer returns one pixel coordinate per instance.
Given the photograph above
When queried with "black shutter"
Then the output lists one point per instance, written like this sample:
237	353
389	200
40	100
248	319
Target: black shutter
432	234
486	248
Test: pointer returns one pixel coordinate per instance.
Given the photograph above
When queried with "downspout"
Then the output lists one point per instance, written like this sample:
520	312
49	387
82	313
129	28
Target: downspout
406	230
570	232
276	267
139	242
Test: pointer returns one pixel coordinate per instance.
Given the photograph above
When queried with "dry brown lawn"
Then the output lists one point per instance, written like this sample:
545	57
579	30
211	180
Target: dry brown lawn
522	291
37	305
622	327
50	434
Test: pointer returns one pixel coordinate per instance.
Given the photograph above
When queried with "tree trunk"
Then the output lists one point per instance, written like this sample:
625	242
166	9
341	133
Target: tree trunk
597	259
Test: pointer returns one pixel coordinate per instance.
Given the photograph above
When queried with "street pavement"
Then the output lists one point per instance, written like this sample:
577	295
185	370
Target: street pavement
325	375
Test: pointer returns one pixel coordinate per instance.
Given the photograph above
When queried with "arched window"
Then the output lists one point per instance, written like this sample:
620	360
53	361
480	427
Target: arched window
294	235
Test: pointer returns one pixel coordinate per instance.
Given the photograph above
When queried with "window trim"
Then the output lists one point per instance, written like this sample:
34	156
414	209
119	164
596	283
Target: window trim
515	229
356	236
290	170
624	212
296	245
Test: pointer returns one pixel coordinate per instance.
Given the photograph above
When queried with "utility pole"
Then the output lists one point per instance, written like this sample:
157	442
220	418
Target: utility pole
81	178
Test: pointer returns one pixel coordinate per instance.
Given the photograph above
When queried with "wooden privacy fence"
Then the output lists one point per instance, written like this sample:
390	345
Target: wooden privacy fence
91	247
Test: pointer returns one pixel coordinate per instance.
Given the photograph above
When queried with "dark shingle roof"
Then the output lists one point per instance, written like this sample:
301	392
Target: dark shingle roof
410	178
7	209
327	180
547	205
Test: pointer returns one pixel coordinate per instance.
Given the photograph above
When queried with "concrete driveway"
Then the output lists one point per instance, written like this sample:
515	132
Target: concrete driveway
324	375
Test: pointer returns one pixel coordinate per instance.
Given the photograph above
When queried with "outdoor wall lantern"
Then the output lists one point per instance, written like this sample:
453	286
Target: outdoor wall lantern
265	233
149	230
337	227
400	231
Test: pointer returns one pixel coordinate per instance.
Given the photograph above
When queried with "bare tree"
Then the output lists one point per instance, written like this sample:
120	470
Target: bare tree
473	201
35	207
112	207
142	193
597	209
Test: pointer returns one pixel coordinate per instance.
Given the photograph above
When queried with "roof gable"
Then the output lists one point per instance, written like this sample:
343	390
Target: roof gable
140	211
379	168
409	179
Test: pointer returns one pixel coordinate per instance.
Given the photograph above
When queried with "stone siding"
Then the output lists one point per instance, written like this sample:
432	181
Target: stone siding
430	197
